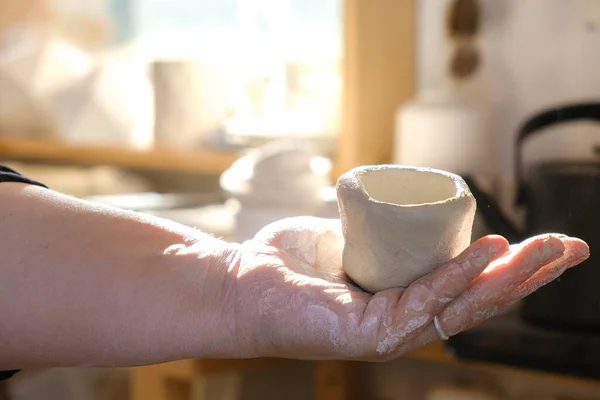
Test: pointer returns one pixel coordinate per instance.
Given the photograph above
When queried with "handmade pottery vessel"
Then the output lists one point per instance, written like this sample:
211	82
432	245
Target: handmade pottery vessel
400	223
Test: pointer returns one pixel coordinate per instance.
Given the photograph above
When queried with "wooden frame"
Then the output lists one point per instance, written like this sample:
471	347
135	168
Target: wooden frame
379	75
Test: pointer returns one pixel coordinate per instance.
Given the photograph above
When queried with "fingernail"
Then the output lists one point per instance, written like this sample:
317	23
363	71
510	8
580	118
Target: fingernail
584	253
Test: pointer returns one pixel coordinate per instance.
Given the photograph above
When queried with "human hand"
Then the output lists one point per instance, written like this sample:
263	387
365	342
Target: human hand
293	300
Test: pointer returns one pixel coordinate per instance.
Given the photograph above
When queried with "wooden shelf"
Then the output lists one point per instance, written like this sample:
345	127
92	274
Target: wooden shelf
193	161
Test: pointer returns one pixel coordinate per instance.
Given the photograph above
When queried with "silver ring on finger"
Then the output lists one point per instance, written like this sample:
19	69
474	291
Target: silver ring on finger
438	328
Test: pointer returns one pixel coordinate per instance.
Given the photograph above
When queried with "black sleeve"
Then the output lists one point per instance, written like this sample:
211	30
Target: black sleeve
10	175
6	374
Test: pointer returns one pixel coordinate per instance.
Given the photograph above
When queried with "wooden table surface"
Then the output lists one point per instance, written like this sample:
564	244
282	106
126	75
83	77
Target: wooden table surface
333	380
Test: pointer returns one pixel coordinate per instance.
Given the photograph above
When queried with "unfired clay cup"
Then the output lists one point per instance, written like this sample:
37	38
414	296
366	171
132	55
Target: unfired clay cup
401	223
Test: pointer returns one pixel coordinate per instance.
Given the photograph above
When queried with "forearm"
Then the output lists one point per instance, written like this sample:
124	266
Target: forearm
82	284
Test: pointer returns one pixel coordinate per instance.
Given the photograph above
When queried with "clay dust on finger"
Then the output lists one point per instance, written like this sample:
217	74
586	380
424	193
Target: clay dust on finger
481	300
428	296
576	252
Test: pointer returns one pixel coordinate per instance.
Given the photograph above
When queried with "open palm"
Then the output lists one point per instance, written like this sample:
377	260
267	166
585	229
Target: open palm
294	300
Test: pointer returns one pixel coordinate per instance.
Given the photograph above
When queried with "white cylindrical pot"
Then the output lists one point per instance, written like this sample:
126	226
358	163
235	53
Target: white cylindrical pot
443	130
190	101
401	223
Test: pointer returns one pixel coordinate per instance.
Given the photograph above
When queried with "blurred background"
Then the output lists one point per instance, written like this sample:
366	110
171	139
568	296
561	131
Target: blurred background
226	115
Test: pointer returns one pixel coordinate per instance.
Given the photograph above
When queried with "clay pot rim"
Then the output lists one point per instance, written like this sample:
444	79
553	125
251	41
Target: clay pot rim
462	189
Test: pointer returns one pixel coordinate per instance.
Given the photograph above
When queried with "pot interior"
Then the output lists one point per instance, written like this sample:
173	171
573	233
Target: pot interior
408	187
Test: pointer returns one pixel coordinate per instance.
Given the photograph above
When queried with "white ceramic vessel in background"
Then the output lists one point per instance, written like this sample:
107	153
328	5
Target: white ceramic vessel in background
32	68
447	130
112	105
278	180
400	222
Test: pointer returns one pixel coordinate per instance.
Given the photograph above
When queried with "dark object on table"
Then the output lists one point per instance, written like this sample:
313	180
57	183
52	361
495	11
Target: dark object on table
508	340
560	196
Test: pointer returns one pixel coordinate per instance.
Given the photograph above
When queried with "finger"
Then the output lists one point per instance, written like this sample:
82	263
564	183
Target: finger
411	309
498	280
576	252
450	280
430	294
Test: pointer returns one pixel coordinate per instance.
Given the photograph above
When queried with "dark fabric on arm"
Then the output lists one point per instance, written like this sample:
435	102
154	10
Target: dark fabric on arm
10	175
4	375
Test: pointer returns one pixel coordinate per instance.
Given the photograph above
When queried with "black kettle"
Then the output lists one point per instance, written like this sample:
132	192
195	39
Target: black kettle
558	196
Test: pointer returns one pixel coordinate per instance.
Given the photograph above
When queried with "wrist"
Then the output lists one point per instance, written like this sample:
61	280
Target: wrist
209	326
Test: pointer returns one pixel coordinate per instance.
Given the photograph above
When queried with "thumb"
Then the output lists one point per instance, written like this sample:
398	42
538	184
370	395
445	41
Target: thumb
312	240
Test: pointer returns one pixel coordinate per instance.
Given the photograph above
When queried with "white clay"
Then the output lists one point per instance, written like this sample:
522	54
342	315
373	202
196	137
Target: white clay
400	223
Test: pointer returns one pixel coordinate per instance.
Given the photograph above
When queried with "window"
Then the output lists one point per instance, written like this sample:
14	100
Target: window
281	58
